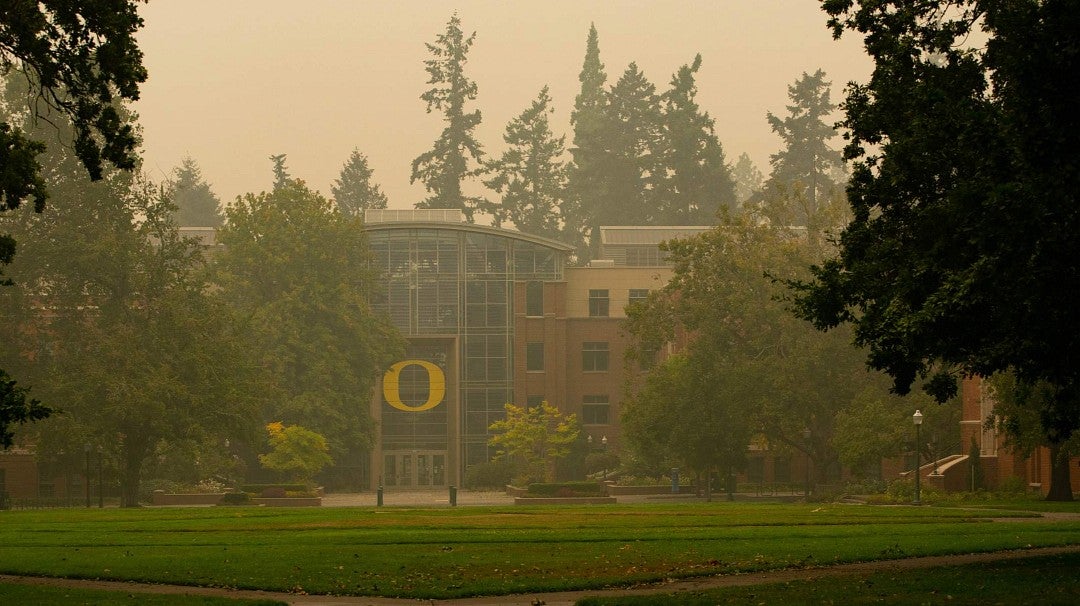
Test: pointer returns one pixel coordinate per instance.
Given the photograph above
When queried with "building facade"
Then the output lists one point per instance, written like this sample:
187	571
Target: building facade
493	316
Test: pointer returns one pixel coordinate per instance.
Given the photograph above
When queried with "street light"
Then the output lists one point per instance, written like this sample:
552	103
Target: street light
603	441
806	441
86	476
917	419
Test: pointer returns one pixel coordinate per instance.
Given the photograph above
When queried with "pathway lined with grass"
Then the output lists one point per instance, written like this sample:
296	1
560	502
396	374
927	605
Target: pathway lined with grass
690	590
451	553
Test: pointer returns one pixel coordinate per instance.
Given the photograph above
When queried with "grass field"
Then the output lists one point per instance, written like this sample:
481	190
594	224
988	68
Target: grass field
1044	581
446	552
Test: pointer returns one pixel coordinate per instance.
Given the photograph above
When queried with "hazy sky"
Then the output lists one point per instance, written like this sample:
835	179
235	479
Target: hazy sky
232	82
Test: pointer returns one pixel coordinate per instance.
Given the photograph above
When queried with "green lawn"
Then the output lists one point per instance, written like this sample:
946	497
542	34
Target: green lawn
447	552
1044	581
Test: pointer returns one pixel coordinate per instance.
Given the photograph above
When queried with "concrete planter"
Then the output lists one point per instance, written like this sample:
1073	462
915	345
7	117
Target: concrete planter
656	489
160	497
288	501
564	500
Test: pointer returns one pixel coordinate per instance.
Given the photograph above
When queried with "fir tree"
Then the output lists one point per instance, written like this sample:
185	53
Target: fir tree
281	174
530	175
443	169
196	204
748	178
353	190
588	151
804	169
692	181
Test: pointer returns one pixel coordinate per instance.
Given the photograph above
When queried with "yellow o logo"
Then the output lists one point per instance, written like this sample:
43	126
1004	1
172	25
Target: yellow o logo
436	386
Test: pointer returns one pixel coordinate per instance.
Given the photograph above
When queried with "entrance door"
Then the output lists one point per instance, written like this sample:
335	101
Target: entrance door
415	469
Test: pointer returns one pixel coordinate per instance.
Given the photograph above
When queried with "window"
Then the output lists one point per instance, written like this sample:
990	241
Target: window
595	410
534	357
533	402
594	356
638	295
534	299
598	303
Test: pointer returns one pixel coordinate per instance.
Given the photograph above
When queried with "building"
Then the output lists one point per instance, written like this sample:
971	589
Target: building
494	316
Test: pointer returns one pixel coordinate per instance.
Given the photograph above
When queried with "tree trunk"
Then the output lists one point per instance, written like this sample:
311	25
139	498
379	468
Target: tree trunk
133	452
1060	476
708	485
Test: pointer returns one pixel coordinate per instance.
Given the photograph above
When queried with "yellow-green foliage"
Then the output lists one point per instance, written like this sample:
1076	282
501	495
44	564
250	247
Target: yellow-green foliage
295	450
537	436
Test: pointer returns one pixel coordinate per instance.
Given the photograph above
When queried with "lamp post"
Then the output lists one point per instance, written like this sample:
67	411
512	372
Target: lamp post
86	476
917	419
603	441
806	440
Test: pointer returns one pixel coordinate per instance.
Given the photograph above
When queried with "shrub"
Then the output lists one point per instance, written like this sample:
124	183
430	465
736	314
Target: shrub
235	498
567	489
493	474
258	488
273	492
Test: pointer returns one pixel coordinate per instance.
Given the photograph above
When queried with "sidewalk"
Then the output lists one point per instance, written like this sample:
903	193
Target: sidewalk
417	498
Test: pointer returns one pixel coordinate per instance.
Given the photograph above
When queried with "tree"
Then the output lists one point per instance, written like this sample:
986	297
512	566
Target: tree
530	174
297	273
626	163
281	173
537	436
443	169
964	193
724	310
804	168
196	204
586	179
296	451
694	182
77	58
1021	411
353	190
690	413
16	408
111	319
748	178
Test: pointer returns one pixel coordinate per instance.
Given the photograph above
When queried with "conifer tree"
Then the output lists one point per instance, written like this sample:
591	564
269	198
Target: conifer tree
196	204
588	151
281	174
633	168
692	181
353	190
531	175
456	154
805	167
748	178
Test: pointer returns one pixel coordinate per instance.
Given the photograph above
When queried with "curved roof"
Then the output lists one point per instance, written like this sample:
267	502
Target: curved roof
385	220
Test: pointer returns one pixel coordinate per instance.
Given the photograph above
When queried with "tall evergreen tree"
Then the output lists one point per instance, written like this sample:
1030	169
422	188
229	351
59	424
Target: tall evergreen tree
531	175
196	204
281	173
633	167
692	181
443	169
353	190
805	168
588	150
748	178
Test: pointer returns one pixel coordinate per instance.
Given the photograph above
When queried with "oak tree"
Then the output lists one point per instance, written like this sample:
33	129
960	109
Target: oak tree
961	255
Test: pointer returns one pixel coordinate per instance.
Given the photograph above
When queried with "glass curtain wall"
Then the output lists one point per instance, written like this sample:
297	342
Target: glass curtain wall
456	282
